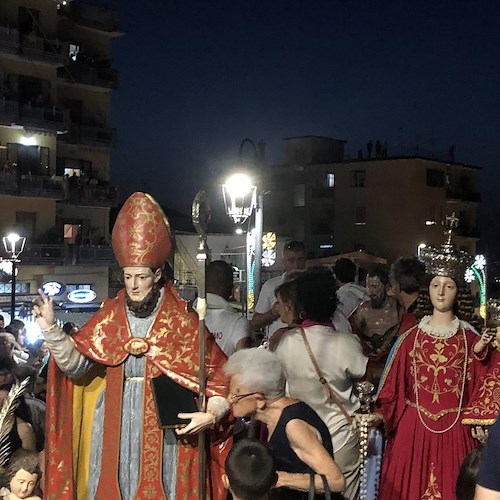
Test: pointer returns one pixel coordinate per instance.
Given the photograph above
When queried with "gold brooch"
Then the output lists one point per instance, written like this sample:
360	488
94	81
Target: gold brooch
137	346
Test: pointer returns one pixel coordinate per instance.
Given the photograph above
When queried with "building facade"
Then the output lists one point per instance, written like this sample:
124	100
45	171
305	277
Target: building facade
56	82
386	207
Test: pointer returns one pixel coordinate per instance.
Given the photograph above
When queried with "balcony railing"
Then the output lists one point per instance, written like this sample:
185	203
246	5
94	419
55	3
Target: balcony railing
471	196
322	192
90	16
89	75
90	193
31	185
35	48
39	254
95	253
67	254
90	136
47	119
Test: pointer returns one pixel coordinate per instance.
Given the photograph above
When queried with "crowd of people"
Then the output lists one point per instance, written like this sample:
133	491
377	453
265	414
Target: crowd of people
280	419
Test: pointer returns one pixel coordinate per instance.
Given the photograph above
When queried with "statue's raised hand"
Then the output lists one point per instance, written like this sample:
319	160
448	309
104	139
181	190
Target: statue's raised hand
43	311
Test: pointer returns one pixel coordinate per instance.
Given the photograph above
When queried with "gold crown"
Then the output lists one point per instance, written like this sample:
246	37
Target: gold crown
446	260
493	312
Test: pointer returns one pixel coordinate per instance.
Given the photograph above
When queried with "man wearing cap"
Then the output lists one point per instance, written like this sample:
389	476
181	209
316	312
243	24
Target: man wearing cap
117	448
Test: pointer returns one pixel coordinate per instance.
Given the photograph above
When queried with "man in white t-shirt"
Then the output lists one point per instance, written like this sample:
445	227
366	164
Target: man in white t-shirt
266	313
230	329
350	294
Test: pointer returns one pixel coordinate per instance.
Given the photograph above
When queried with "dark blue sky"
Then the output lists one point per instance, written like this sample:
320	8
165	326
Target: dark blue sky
197	77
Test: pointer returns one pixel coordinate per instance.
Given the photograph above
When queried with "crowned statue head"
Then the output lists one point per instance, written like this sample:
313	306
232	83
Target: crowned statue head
445	267
142	244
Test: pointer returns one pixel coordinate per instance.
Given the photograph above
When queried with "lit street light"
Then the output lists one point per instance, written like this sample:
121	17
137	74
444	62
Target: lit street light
241	196
419	248
13	245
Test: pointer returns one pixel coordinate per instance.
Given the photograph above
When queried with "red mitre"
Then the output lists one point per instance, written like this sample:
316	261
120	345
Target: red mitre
141	234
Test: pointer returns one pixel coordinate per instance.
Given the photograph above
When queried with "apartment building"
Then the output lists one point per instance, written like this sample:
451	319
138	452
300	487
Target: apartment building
385	206
56	82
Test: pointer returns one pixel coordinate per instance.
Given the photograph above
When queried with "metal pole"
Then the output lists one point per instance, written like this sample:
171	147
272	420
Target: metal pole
201	215
13	291
259	217
259	158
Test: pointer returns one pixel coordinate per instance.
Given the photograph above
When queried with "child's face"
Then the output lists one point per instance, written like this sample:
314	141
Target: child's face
23	483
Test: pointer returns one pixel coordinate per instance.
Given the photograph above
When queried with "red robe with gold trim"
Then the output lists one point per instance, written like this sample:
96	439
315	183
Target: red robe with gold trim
420	463
171	347
484	406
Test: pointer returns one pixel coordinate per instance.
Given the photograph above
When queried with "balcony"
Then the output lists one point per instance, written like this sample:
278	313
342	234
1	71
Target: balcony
38	186
89	193
454	196
95	253
92	17
89	75
322	192
31	117
67	254
466	231
88	135
31	47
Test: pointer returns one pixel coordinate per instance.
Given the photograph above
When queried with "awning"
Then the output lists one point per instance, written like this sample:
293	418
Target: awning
361	259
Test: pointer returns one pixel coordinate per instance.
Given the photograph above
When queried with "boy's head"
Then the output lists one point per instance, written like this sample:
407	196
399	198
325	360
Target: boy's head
250	470
466	481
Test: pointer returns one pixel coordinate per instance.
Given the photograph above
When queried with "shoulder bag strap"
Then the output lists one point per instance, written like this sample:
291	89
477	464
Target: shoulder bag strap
326	488
312	488
329	391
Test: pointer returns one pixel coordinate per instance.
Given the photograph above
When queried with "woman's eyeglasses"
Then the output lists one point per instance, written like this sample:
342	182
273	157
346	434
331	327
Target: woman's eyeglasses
234	398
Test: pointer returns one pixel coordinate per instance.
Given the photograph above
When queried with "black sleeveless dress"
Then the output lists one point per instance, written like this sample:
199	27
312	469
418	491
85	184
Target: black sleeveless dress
286	459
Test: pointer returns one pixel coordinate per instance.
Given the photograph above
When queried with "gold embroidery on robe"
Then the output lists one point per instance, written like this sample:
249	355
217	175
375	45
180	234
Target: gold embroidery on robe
432	492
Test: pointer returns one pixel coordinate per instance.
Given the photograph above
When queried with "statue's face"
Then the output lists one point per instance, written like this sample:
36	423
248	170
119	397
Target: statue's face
23	483
443	292
139	281
376	290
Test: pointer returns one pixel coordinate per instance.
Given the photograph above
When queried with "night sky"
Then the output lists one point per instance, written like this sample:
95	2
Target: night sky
197	77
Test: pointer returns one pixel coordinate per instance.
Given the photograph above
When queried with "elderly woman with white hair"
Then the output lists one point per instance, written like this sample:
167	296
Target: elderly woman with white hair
299	439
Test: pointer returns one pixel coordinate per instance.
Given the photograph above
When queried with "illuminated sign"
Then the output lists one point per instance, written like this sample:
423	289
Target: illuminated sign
81	296
269	249
52	288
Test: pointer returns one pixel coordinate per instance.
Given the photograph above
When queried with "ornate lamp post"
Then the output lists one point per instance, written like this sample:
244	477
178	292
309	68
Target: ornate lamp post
247	196
13	245
240	199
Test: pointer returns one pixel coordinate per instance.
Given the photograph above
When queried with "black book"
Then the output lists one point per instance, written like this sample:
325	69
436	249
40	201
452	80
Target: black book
171	399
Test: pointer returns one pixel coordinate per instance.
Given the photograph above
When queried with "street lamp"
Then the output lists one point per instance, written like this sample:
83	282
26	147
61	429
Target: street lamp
419	248
13	245
241	197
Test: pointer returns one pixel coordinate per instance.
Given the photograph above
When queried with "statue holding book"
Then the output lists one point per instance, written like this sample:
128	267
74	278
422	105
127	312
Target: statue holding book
104	434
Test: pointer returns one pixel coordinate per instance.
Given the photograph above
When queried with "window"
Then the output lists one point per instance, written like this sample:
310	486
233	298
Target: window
74	50
78	286
431	219
22	287
434	177
358	178
71	232
26	224
360	216
330	180
299	195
